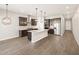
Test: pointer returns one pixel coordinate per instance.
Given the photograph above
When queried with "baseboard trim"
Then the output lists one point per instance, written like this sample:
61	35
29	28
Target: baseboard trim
8	38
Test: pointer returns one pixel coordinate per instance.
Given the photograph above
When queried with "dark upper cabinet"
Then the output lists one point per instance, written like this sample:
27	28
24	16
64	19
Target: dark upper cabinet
46	23
22	21
33	22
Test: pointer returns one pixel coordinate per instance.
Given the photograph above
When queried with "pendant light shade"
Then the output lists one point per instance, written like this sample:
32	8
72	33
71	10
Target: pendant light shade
6	20
41	14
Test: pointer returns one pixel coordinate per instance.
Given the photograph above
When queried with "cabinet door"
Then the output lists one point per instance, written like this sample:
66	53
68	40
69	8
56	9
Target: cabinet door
47	23
33	22
23	33
22	21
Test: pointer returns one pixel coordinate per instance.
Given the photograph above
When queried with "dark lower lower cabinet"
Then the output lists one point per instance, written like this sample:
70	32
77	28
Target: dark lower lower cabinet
23	33
29	36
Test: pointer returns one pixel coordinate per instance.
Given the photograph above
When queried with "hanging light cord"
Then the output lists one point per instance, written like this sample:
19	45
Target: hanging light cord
6	10
36	13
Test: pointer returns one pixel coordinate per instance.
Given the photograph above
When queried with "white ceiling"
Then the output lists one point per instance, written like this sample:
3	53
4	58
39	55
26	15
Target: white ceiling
51	9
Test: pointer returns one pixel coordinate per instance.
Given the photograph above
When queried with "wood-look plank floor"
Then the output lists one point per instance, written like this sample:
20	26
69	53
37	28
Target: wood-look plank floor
51	45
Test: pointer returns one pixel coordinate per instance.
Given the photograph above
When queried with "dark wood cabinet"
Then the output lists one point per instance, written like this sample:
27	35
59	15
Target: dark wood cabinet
33	22
22	21
29	36
46	23
23	33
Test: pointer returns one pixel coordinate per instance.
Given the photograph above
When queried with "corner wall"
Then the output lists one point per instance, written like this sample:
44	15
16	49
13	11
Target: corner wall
75	26
62	25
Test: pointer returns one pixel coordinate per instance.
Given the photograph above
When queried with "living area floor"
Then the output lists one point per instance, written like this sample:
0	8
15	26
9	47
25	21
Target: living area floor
51	45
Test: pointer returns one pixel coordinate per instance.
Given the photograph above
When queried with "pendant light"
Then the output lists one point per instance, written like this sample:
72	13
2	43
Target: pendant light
36	14
6	20
41	14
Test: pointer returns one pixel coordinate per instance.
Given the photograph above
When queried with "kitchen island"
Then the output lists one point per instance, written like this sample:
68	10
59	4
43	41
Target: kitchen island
36	35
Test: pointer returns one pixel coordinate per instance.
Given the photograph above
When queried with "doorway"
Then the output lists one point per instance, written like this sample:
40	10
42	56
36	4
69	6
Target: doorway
56	25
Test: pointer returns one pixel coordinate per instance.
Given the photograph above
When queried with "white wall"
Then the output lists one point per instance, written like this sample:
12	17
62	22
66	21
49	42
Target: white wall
12	30
75	26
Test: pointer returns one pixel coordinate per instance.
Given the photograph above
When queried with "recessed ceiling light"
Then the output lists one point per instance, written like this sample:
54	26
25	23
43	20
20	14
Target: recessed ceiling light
67	7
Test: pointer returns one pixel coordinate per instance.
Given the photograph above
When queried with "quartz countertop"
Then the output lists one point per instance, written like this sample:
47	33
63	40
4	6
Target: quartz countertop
27	28
38	30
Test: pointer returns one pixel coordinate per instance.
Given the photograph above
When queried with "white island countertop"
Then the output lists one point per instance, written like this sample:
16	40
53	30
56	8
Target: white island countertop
36	35
38	30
